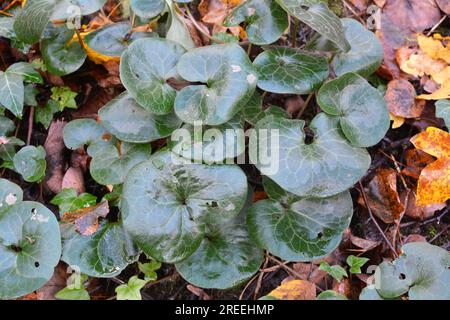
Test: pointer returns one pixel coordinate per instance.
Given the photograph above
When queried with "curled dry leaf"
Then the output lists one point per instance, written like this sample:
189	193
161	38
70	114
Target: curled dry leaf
54	148
295	290
416	160
383	198
309	272
401	99
364	244
73	178
415	211
86	219
434	182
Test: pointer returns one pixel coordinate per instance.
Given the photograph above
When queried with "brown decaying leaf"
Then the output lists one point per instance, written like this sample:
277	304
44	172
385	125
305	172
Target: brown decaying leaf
214	13
342	287
414	238
401	99
309	272
54	147
433	186
383	197
259	195
73	178
295	290
199	292
380	3
360	5
400	19
56	283
444	5
416	160
95	100
86	219
415	211
364	244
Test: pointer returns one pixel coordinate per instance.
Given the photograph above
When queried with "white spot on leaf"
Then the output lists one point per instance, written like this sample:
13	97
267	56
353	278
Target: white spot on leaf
236	68
38	217
251	11
10	199
251	78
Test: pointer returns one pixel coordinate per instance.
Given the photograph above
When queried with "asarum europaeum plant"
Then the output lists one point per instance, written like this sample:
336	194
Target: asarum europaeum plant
190	203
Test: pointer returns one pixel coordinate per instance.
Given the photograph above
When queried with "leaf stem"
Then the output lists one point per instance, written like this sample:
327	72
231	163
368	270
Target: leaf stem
294	32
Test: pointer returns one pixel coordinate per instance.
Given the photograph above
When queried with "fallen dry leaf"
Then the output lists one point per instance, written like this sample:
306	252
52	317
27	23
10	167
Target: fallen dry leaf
199	292
415	238
382	196
73	178
309	272
86	219
433	186
295	290
56	283
415	211
397	122
401	99
364	244
434	48
342	287
444	5
55	148
360	5
416	160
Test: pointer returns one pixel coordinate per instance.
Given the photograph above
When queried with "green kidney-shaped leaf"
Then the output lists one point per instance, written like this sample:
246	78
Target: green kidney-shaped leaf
112	40
30	248
422	271
302	229
103	254
266	20
230	81
80	132
60	53
148	8
30	163
32	20
69	9
286	70
111	161
10	194
12	92
319	17
129	122
365	55
325	167
443	111
225	258
166	202
144	69
26	71
362	111
6	126
210	144
254	111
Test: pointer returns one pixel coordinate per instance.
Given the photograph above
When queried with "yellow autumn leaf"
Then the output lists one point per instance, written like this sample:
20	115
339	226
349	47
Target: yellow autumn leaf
93	55
295	290
397	121
434	48
433	186
442	93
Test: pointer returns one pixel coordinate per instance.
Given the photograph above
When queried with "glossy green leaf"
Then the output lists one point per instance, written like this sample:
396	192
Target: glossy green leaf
68	200
148	8
61	55
8	151
32	20
111	161
128	121
75	289
330	295
361	109
286	70
65	97
149	269
112	40
30	93
355	263
26	71
304	230
325	167
30	248
254	111
10	194
144	69
166	202
365	55
210	144
225	258
266	20
104	254
319	17
12	92
422	271
131	290
6	126
178	30
68	9
80	132
229	82
30	163
336	271
443	111
370	293
44	115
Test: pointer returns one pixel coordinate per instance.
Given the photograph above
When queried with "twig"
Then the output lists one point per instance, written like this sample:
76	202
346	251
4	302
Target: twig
6	13
260	277
436	25
295	31
197	26
375	221
438	218
241	296
30	125
349	7
440	233
80	39
305	105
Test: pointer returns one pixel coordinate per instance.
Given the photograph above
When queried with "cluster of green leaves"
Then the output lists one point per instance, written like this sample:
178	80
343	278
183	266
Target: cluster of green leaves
198	216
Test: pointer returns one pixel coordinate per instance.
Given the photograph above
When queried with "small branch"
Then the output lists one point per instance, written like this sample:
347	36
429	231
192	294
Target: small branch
305	105
375	221
30	125
294	31
436	25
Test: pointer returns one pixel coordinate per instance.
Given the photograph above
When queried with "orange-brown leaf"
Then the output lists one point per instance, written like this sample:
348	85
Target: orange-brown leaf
295	290
434	182
86	219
